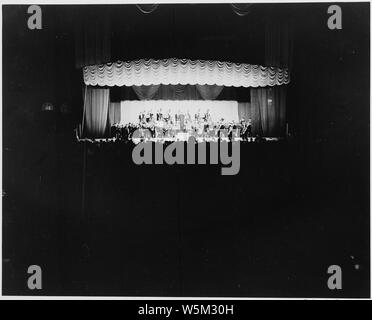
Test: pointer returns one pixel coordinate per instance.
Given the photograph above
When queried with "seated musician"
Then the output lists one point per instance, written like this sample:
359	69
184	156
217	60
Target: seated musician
207	116
197	115
159	115
188	118
182	121
243	129
249	128
168	116
246	129
221	127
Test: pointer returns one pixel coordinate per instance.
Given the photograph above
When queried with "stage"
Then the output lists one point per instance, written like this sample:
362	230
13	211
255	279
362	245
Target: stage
225	110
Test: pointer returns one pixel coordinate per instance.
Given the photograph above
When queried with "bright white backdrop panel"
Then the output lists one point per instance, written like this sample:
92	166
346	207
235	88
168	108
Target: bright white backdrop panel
227	110
183	71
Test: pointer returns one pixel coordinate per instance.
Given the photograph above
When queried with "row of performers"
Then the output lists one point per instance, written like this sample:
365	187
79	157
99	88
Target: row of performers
180	116
124	132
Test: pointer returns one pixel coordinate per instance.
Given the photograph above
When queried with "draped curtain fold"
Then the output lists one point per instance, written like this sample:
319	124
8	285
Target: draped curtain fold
96	112
259	100
114	114
241	9
146	92
279	43
269	107
248	110
147	8
209	92
244	110
177	92
279	100
181	92
183	71
92	38
269	103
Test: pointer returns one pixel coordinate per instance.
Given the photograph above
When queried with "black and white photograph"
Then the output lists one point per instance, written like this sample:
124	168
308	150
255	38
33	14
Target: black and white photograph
186	150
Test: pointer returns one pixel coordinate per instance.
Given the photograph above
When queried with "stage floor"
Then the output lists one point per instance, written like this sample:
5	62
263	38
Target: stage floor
183	137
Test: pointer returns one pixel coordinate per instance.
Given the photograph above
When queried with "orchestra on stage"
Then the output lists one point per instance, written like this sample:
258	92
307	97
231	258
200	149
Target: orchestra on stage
159	125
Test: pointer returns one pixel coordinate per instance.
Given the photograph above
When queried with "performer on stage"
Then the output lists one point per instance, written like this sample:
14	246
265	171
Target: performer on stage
249	129
207	116
141	116
197	115
188	118
168	116
159	115
182	122
246	129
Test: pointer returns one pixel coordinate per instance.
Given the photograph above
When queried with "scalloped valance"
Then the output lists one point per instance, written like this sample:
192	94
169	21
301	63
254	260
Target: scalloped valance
183	71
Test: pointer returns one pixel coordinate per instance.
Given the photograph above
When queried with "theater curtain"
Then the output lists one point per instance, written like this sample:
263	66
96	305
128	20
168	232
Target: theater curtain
114	113
147	8
247	110
269	107
180	92
270	102
92	37
96	112
241	9
146	92
183	71
209	92
279	101
244	110
177	92
278	43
